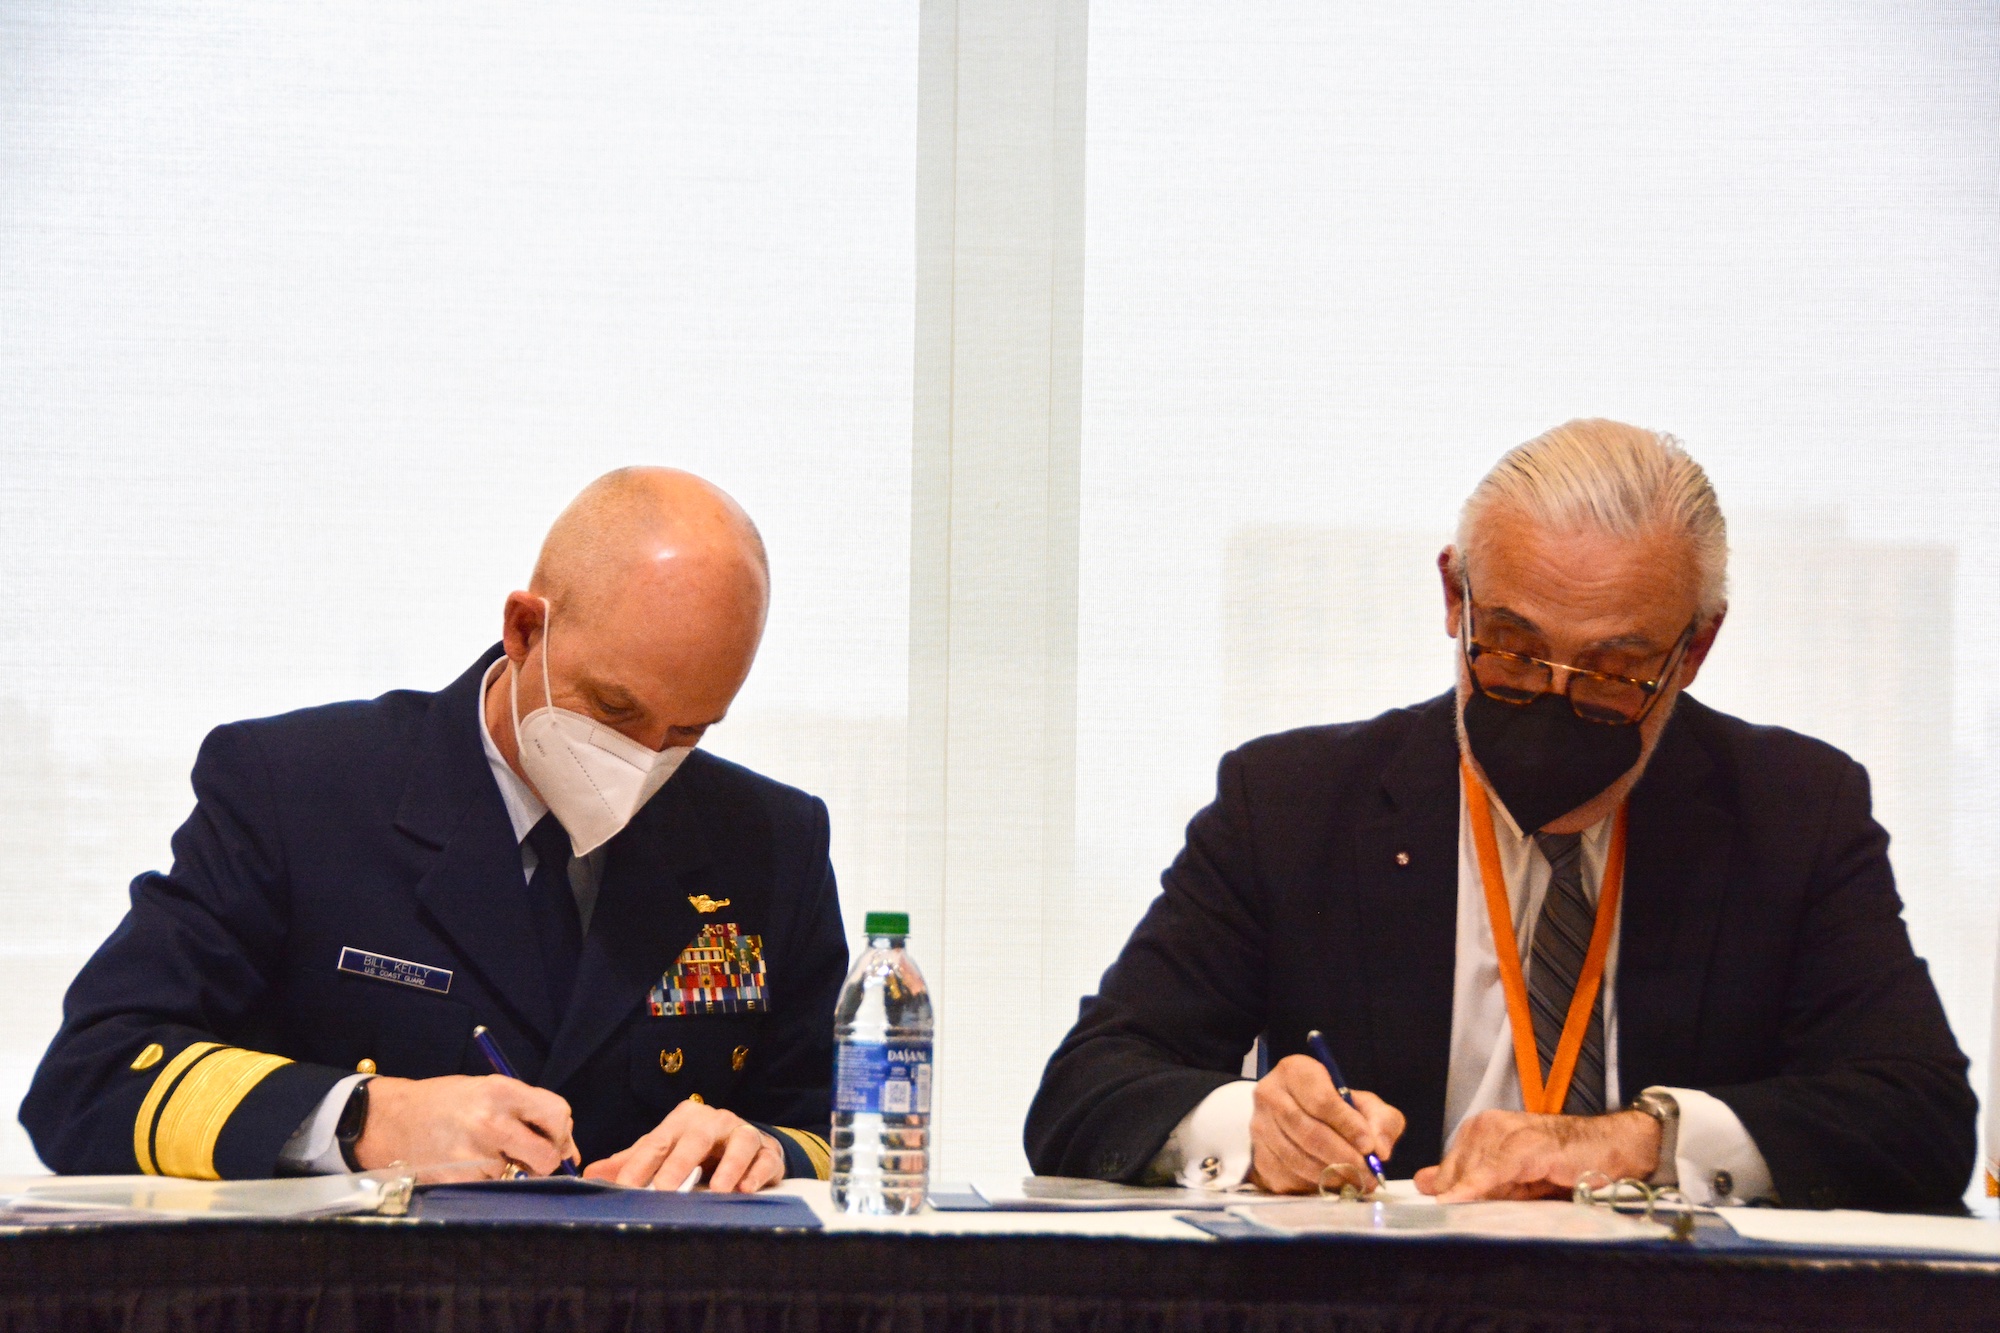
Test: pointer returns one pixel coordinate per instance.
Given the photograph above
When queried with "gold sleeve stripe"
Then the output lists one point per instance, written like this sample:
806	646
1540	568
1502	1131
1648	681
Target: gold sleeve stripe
816	1150
192	1120
142	1128
184	1112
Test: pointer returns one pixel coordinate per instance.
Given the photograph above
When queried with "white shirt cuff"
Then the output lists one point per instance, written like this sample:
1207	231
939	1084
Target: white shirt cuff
313	1149
1716	1160
1210	1147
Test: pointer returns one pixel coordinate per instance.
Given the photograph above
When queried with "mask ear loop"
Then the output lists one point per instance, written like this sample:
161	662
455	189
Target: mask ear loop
514	677
548	618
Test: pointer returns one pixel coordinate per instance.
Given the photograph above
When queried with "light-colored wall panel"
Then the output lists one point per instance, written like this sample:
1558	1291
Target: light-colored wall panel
994	547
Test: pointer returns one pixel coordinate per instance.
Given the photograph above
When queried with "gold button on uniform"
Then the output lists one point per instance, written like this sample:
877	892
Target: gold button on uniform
149	1057
737	1057
671	1061
697	1099
365	1067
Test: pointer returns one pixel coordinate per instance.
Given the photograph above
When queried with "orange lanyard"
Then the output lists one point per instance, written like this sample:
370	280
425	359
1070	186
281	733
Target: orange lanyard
1548	1100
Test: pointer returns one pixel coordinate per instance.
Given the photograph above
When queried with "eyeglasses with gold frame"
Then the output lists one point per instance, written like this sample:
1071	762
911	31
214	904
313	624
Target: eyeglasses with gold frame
1602	697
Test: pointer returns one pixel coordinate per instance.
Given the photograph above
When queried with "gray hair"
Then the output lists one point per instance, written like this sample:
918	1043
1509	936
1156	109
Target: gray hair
1613	478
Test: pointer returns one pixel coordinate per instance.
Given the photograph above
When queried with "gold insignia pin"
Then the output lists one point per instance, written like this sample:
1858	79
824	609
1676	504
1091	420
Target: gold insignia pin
671	1061
702	903
737	1057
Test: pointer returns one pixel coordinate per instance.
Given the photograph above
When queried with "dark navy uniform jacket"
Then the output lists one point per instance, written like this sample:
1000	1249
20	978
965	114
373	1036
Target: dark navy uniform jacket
1762	957
218	1015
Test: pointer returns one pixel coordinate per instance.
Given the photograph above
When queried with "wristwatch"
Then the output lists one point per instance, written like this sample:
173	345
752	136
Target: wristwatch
353	1120
1660	1104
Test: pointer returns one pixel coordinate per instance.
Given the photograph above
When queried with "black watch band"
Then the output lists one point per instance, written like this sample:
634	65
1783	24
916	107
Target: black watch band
353	1120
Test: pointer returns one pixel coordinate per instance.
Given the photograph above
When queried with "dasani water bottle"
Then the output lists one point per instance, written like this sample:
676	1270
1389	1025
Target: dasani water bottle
882	1077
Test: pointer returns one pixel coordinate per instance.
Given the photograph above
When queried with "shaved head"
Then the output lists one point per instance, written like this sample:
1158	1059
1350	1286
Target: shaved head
646	608
637	520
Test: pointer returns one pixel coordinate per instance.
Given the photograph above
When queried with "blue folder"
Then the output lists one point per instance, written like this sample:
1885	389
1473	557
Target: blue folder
560	1201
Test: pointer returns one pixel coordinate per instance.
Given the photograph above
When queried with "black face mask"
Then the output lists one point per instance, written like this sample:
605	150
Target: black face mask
1542	759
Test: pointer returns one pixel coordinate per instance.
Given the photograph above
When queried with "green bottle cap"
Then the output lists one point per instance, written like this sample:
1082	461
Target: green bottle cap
887	923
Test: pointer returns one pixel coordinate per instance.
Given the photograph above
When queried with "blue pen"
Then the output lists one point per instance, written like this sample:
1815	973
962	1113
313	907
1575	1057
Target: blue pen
498	1059
1324	1054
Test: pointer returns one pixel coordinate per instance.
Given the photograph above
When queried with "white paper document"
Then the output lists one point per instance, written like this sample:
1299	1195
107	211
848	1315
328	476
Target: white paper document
1389	1218
1072	1194
1077	1194
44	1200
1870	1231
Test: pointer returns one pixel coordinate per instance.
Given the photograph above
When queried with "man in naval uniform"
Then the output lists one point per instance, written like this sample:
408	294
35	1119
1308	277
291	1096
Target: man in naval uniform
650	934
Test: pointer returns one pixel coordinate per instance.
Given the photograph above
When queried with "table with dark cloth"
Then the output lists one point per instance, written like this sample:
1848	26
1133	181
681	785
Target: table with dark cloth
375	1275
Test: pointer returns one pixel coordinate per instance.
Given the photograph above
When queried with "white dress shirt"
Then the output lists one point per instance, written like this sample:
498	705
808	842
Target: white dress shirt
312	1149
1211	1144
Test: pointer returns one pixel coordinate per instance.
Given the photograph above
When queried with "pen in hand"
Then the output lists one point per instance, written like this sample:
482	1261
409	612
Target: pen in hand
498	1059
1324	1054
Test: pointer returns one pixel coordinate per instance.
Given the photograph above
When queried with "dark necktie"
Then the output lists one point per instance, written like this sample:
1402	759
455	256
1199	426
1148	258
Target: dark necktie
1562	938
552	905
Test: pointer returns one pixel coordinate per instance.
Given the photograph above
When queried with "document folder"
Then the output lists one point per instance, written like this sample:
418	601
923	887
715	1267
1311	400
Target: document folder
558	1201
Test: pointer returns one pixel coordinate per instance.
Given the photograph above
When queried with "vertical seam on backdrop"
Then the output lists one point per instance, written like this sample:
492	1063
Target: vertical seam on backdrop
950	503
1049	487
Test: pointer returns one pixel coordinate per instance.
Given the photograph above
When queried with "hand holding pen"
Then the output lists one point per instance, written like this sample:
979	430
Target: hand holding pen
1305	1118
498	1060
1324	1054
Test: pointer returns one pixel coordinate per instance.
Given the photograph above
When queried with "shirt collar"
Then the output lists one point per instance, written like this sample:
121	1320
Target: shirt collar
524	808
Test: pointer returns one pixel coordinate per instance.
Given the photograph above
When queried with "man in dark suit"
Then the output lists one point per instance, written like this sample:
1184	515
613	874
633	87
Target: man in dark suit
361	885
1564	919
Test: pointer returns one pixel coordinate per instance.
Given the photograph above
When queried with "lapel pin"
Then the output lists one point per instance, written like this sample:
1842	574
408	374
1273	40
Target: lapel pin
701	902
1402	858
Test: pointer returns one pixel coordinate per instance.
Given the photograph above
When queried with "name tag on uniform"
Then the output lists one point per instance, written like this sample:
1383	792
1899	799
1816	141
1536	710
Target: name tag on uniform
399	970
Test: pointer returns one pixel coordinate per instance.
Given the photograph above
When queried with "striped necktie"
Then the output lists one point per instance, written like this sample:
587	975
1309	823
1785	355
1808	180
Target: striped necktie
1562	938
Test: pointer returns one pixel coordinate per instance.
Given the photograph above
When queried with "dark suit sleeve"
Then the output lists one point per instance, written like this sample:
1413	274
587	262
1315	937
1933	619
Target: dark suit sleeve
1174	1015
791	1096
1872	1109
140	1077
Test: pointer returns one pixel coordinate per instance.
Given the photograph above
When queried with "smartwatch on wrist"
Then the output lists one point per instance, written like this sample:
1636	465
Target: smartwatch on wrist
1660	1104
353	1120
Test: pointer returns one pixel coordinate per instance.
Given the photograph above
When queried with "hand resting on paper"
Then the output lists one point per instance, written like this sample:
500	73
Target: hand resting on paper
1519	1155
461	1118
1300	1126
733	1153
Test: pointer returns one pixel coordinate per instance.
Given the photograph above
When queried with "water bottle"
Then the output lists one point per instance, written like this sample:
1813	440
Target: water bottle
882	1077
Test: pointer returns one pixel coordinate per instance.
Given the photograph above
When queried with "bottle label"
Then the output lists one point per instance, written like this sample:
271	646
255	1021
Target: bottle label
883	1078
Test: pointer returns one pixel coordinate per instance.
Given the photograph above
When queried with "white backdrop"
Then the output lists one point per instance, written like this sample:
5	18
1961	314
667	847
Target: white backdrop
312	317
1340	257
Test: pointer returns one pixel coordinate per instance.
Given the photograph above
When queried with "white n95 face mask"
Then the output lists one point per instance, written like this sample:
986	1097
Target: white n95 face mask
593	778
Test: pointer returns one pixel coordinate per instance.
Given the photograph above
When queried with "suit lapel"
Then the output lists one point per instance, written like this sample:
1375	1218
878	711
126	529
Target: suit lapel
1406	861
1676	883
473	887
642	921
